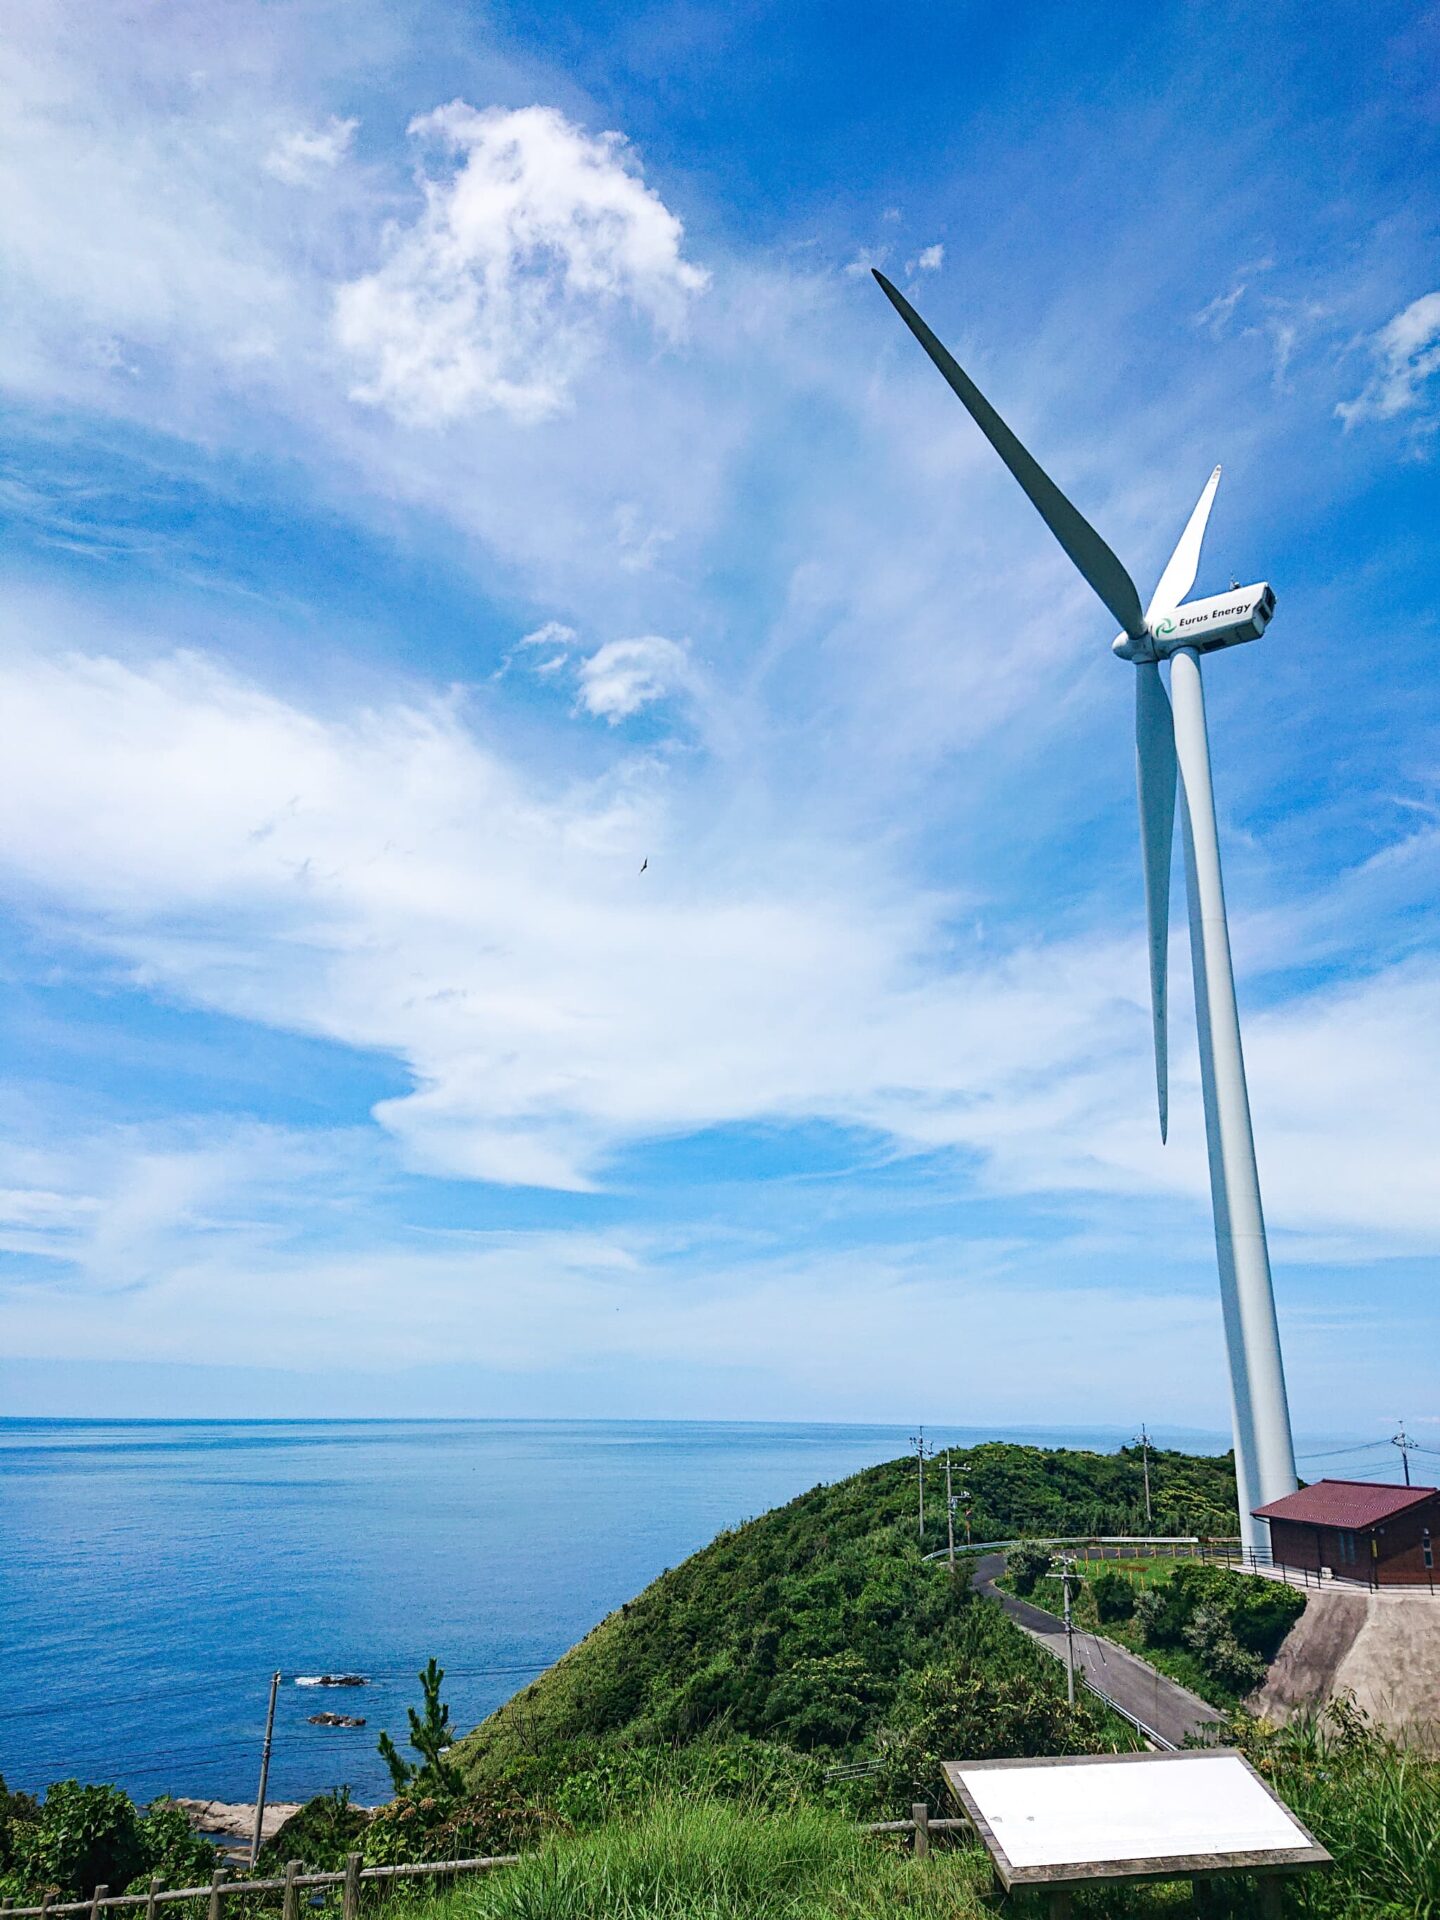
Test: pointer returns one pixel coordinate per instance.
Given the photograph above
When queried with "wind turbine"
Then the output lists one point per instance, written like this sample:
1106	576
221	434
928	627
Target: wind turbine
1170	741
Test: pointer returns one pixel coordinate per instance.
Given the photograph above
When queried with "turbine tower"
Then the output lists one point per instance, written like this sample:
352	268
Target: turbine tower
1171	743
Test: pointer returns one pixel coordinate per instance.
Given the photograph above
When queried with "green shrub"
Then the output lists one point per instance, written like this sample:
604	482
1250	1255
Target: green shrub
1112	1595
83	1838
17	1810
321	1834
173	1849
996	1695
1027	1565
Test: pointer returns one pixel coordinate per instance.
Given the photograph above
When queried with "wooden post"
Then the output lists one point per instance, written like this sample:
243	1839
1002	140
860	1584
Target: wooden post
1061	1905
1272	1900
150	1901
47	1900
350	1909
217	1894
920	1814
290	1908
98	1895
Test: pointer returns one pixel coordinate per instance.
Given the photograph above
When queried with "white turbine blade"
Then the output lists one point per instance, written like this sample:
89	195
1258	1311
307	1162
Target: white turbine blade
1069	526
1155	777
1183	565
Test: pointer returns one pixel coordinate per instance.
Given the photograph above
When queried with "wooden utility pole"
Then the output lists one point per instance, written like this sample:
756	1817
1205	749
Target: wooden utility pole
1407	1447
917	1440
264	1771
1067	1574
1144	1442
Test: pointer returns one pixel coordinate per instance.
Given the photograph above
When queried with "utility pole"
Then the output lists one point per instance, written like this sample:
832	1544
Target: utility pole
917	1440
949	1514
1407	1447
264	1771
1144	1444
965	1496
1067	1574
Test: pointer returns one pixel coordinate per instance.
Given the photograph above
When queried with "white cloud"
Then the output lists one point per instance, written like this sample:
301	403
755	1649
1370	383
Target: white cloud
492	298
623	676
554	633
383	878
1215	316
304	157
1407	352
865	261
929	259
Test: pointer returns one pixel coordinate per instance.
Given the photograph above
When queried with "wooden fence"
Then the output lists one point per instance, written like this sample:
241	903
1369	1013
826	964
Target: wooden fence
922	1824
222	1887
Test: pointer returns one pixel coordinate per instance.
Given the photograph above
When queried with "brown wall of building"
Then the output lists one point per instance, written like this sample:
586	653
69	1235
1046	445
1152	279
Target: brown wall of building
1400	1560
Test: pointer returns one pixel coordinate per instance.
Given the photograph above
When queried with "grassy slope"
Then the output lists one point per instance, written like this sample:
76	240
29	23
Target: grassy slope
801	1625
697	1859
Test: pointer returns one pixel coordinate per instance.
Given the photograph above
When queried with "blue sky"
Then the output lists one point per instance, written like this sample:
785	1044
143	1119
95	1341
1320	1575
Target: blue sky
457	454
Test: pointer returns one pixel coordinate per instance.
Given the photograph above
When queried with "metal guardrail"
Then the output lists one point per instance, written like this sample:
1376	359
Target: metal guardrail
1138	1540
1146	1732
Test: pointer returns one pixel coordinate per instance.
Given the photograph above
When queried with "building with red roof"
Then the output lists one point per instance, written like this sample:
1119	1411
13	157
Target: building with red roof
1354	1530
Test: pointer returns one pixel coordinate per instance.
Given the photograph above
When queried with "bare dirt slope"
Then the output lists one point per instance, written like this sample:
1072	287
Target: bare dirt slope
1384	1648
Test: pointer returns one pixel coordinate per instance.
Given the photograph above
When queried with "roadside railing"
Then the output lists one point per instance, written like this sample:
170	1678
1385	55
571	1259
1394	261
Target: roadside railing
1145	1731
1098	1546
1267	1567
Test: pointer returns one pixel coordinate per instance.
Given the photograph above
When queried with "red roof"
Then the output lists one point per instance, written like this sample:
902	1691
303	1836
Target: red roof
1345	1503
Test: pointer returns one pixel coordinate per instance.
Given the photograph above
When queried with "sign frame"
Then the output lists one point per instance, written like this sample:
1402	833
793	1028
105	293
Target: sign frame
1200	1866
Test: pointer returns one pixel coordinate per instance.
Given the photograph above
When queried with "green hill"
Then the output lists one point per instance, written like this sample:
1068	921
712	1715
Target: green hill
814	1625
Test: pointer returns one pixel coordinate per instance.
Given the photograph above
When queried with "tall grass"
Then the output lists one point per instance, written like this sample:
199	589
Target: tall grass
713	1860
1374	1804
689	1856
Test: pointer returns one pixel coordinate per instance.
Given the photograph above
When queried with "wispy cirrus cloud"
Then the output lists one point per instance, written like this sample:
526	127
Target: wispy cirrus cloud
305	155
382	878
1406	354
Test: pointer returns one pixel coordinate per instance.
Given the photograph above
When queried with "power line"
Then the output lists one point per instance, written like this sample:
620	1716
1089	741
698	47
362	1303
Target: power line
179	1690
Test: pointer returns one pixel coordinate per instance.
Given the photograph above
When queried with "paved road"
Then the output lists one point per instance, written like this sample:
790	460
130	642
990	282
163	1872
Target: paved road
1172	1710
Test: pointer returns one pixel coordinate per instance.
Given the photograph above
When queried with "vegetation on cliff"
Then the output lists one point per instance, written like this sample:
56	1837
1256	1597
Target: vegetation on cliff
808	1625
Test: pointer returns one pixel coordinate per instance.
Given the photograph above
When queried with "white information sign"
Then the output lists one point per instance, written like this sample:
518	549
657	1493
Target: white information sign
1129	1816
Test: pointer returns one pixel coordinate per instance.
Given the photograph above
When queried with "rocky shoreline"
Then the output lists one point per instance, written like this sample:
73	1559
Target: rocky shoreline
235	1819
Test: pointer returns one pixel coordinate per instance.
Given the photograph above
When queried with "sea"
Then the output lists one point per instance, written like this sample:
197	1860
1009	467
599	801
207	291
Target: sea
153	1574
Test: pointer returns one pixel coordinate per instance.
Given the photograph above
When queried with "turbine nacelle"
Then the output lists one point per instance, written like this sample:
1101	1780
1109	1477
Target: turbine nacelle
1224	620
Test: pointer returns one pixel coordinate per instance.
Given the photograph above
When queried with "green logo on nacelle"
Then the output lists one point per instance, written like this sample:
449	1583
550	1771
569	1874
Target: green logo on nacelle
1165	626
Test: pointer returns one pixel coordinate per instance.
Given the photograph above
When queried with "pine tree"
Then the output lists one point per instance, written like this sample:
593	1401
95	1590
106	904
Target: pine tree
431	1737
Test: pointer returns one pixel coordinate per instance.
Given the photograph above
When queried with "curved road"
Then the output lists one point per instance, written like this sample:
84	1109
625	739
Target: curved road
1170	1709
